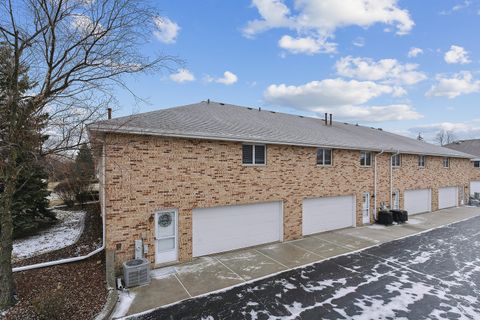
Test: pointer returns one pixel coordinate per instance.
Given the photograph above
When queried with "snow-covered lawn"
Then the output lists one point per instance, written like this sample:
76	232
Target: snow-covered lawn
65	233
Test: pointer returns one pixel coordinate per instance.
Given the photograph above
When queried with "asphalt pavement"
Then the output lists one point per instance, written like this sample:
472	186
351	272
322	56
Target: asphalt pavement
432	275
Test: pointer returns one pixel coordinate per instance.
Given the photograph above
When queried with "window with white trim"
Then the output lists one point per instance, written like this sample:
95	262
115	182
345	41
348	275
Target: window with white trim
365	158
324	156
421	161
254	153
396	160
446	162
476	164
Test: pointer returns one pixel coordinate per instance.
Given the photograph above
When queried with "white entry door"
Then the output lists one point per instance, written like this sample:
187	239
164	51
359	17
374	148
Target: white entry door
396	200
328	213
447	197
166	244
226	228
461	195
418	201
366	207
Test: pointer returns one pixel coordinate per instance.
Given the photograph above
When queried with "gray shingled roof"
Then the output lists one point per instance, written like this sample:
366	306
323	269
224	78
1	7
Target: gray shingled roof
219	121
467	146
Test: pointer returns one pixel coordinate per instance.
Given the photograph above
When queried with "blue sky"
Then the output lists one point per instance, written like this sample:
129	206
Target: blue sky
406	66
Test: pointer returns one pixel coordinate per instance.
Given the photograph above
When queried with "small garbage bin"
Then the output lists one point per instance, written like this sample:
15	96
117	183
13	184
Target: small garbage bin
399	216
385	217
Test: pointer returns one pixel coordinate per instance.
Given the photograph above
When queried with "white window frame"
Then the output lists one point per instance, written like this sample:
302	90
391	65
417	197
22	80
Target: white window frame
394	164
365	153
446	162
323	157
421	161
253	154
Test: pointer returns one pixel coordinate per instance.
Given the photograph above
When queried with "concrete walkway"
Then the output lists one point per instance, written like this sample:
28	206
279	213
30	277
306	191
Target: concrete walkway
212	273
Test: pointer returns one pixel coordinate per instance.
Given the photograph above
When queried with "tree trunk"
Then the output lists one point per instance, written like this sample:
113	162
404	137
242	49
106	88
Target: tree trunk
6	232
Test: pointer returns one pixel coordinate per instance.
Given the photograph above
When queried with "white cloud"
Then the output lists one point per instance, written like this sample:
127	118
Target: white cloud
458	84
328	92
182	75
385	70
457	7
456	54
343	98
167	30
414	52
85	25
227	79
318	19
462	130
393	112
306	45
461	6
359	42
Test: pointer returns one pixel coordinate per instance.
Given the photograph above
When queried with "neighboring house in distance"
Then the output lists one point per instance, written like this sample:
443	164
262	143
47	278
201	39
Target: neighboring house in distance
211	177
471	147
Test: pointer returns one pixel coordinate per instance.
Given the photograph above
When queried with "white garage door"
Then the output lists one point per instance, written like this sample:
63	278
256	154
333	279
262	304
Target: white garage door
447	197
233	227
474	187
329	213
418	201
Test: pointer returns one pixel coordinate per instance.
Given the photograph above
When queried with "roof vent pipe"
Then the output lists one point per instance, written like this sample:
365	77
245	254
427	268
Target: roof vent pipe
109	113
330	119
326	117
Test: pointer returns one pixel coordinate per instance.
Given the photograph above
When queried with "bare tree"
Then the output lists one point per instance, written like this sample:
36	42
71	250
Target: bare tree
72	53
444	137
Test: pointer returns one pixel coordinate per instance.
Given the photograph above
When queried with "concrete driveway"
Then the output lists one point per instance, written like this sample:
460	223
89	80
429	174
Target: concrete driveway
213	273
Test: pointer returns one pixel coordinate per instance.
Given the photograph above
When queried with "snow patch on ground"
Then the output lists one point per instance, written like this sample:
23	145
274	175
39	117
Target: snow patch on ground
423	257
65	233
415	221
197	266
162	273
125	299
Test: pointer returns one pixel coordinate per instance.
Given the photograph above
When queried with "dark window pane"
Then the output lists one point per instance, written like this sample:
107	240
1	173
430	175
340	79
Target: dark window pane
259	154
320	156
362	159
247	154
396	160
476	164
328	156
368	158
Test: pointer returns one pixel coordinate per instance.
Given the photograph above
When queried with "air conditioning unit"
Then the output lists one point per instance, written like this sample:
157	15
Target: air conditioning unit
476	195
136	272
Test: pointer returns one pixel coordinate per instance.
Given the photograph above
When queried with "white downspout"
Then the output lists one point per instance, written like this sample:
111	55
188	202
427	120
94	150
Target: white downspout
73	259
375	186
391	178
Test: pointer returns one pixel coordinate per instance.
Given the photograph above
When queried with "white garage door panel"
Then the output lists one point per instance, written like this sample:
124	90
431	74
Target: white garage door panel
329	213
233	227
447	197
418	201
474	187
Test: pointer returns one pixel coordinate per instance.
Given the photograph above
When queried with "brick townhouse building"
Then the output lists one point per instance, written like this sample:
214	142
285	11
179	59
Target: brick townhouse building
212	177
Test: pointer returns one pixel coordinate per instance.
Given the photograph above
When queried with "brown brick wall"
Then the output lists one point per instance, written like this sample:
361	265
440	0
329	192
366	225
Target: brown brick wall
146	173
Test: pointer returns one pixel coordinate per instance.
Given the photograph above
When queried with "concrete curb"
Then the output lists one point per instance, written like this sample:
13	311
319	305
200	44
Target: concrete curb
109	306
112	297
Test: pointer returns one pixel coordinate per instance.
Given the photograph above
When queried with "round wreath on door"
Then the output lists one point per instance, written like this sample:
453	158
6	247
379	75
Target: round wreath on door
165	220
